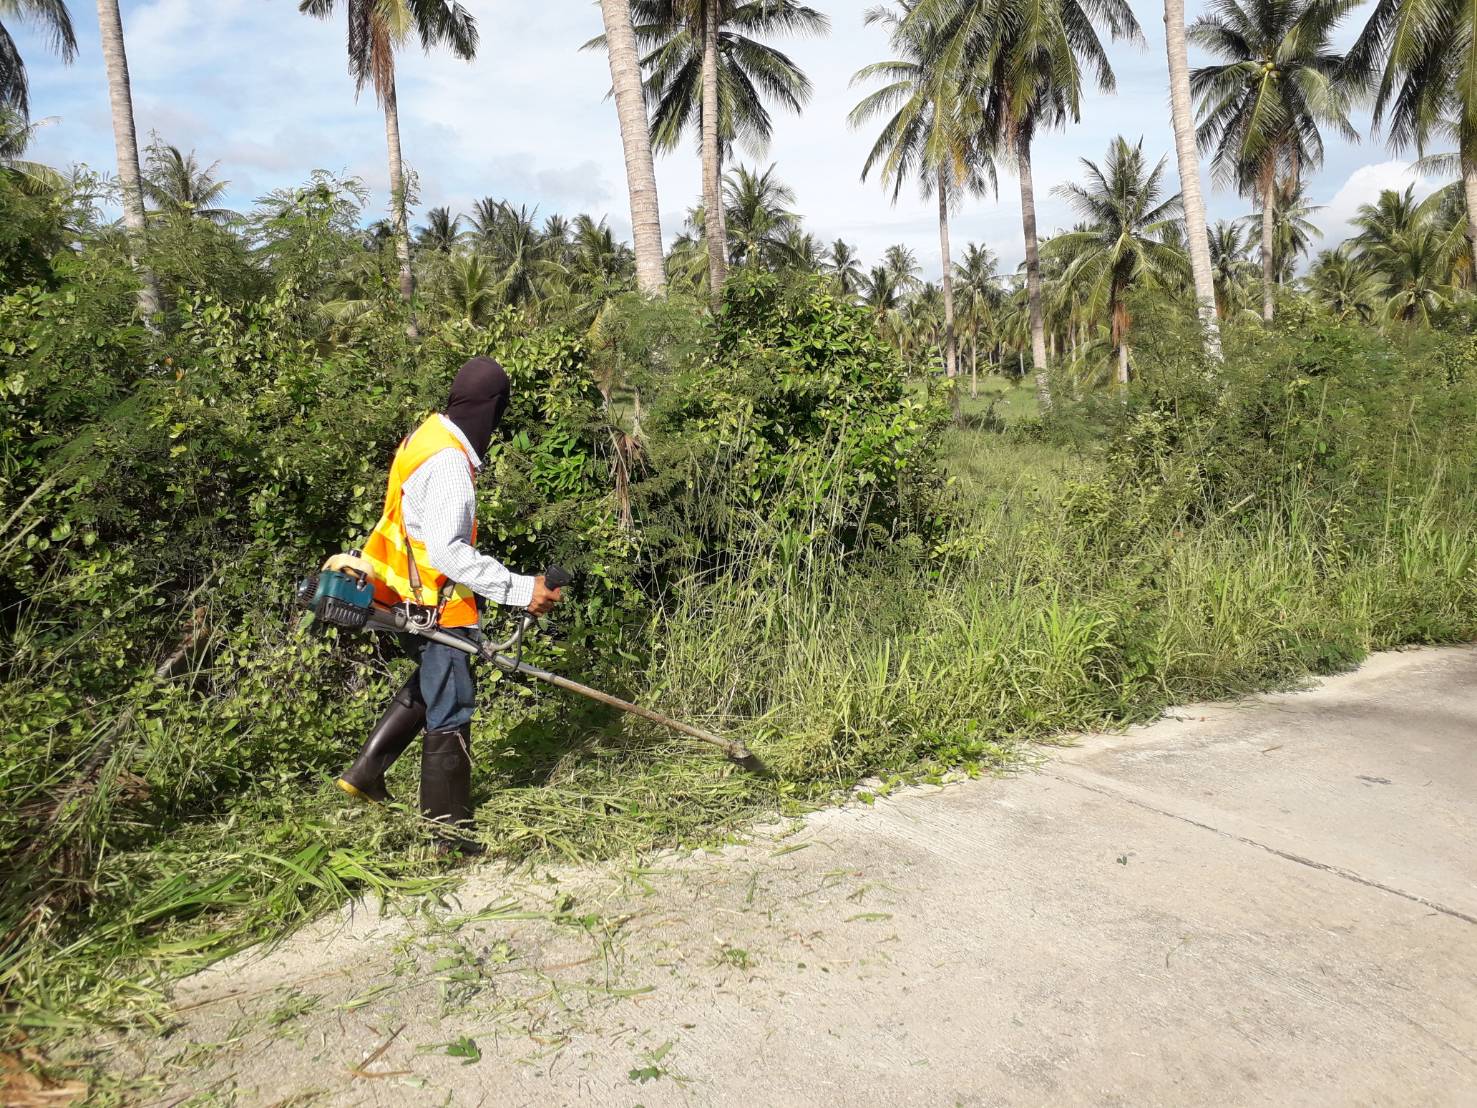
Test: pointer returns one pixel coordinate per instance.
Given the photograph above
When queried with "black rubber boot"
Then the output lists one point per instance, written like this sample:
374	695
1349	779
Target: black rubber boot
446	788
400	724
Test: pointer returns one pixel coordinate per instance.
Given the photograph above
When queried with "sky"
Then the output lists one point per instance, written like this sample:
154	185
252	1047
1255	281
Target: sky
265	91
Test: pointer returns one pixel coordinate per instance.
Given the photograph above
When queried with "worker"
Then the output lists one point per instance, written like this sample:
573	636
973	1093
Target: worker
424	557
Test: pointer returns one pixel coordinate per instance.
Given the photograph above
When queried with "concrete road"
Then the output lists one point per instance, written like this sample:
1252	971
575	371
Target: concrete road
1268	903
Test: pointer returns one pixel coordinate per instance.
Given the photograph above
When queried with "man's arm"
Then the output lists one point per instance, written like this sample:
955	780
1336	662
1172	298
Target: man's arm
439	505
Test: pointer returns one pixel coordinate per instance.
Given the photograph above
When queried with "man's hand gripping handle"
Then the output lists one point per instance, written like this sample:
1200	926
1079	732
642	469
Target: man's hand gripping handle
546	593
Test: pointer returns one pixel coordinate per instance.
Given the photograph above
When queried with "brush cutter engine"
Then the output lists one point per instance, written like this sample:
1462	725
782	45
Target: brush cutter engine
343	591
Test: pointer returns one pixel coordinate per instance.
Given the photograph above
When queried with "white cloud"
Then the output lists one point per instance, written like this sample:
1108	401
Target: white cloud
1364	186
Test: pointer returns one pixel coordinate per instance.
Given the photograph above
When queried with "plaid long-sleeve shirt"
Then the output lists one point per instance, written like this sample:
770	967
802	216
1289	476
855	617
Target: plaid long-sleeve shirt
439	505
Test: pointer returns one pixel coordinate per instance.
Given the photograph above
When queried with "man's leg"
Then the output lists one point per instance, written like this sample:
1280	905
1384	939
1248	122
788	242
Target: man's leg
402	722
450	694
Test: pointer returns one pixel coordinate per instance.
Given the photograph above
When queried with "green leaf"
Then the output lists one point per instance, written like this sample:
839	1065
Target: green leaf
465	1048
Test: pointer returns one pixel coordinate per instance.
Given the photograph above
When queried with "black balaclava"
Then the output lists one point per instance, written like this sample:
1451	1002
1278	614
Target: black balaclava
479	396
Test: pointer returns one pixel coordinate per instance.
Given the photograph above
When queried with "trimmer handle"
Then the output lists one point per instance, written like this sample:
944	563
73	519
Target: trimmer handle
556	578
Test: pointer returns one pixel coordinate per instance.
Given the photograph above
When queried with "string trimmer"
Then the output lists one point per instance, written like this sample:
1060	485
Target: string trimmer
343	594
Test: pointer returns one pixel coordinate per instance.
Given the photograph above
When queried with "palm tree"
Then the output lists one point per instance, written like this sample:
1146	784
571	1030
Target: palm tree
378	235
1125	243
1229	266
801	251
1412	251
756	208
378	28
30	246
1293	229
178	185
595	257
1382	223
1260	111
15	136
1417	57
471	291
1188	159
880	294
844	265
125	142
1013	327
55	23
1342	284
932	133
584	270
483	220
902	266
707	71
1415	269
1447	208
441	232
16	133
979	294
1027	57
920	325
508	238
687	261
555	238
712	143
619	41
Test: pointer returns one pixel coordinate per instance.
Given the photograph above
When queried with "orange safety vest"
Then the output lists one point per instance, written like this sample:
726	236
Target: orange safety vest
402	572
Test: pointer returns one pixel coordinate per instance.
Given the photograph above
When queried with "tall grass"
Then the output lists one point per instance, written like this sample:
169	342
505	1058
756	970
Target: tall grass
1021	626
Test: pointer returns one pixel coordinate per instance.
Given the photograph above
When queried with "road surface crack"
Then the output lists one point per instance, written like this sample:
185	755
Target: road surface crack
1337	871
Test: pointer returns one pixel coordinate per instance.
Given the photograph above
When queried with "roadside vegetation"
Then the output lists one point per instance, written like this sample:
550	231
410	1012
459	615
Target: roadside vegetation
778	533
874	526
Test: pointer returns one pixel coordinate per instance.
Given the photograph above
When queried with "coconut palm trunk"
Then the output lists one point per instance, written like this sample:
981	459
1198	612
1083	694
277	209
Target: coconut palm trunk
625	77
1469	187
723	255
1033	267
125	140
1269	231
712	157
951	337
399	224
1118	331
1189	167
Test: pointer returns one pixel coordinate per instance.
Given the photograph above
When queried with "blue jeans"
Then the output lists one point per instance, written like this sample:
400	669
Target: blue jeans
446	681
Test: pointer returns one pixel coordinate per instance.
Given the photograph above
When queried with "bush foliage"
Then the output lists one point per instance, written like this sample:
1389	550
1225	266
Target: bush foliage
166	488
776	534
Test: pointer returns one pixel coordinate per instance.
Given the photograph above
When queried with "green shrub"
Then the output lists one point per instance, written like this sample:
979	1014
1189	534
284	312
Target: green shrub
794	430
